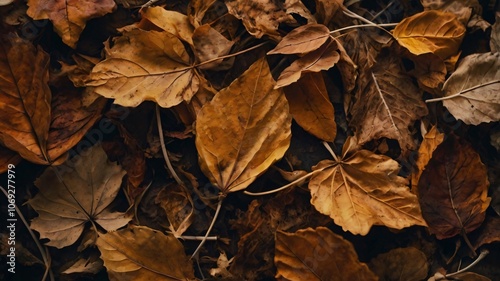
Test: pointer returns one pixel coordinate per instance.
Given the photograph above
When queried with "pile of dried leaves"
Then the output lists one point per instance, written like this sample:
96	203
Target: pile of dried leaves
298	139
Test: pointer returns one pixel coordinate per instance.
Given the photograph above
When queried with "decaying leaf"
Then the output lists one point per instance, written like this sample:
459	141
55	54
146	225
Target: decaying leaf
69	16
170	21
303	39
453	189
472	92
462	9
75	193
178	205
430	71
407	264
489	232
145	65
317	254
311	107
142	253
243	130
431	141
210	44
361	189
495	34
430	32
7	157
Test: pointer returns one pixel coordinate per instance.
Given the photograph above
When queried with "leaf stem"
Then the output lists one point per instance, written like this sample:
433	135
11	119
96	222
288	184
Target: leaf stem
219	205
481	256
331	151
463	91
283	187
164	149
363	25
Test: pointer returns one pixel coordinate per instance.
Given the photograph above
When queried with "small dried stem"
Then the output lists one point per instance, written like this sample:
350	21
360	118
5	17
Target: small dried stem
481	256
164	149
217	211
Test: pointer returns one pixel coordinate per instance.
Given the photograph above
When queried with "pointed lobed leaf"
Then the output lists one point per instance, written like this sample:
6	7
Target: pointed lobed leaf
243	130
303	39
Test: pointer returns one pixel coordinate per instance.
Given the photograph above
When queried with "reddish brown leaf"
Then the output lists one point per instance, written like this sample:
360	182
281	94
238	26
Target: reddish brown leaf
303	39
408	264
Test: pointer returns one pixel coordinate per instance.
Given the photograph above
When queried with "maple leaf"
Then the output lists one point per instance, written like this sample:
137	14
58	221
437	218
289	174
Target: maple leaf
69	16
243	130
407	264
75	193
361	189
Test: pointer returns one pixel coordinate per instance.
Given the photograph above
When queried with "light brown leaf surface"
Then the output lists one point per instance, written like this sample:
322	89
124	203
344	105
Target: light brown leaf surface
362	189
243	130
430	32
472	92
431	141
169	21
317	254
140	253
303	39
408	264
69	17
311	107
453	189
210	44
89	184
463	9
495	34
145	65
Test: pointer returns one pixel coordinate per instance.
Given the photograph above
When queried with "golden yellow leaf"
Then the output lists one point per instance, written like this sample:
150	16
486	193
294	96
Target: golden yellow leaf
139	253
431	141
145	65
169	21
361	189
303	39
430	32
243	130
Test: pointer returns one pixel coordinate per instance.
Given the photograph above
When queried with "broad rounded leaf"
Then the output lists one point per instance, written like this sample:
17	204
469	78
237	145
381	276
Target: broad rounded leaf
303	39
243	130
408	264
317	254
430	32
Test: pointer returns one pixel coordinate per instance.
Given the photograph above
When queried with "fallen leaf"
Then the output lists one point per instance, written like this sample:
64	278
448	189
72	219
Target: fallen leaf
430	71
470	276
210	44
495	34
298	8
462	9
178	205
309	254
141	253
303	39
430	32
407	264
85	266
326	10
361	189
243	130
169	21
145	65
197	9
453	188
472	92
75	193
311	107
431	141
69	17
222	264
7	157
488	232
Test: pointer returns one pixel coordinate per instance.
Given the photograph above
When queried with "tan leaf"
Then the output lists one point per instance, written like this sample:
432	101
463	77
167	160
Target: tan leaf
69	17
303	39
362	189
387	103
495	34
430	142
311	107
462	9
210	44
179	207
170	21
80	191
472	92
145	65
430	32
140	253
298	8
309	254
243	130
407	264
453	189
197	10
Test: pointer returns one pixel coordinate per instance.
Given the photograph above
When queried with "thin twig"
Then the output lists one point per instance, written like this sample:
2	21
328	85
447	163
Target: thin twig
331	151
199	238
481	256
219	205
364	25
164	149
283	187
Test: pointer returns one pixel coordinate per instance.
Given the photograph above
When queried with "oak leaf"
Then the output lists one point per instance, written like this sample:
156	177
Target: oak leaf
472	92
361	189
303	39
75	193
141	253
309	254
430	32
431	141
243	130
453	189
145	65
407	264
69	17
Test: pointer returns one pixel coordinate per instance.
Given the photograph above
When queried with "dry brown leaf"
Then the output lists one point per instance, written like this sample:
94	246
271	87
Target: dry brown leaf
298	8
453	188
408	264
243	130
210	44
495	34
145	65
430	71
463	9
387	103
327	9
69	17
197	10
89	185
362	189
140	253
430	32
169	21
488	233
431	141
317	254
311	107
178	205
472	92
303	39
7	157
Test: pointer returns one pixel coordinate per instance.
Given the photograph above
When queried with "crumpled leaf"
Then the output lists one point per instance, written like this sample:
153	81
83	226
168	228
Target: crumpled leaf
453	189
243	130
179	207
364	45
89	185
361	189
145	65
311	107
170	21
210	44
69	17
303	39
472	92
317	254
326	10
430	71
407	264
141	253
430	32
431	141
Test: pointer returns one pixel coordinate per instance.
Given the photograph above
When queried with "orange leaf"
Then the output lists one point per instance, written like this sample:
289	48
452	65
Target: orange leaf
431	141
303	39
